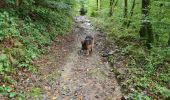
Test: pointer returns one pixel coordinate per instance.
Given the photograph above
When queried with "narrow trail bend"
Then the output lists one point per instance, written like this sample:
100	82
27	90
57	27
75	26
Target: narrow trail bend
64	74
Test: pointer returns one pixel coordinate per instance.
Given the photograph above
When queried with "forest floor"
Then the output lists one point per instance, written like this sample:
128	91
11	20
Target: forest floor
66	74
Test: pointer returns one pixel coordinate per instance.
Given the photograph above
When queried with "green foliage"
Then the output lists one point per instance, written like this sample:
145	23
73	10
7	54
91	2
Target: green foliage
138	96
25	30
8	26
35	92
10	93
10	2
4	64
161	21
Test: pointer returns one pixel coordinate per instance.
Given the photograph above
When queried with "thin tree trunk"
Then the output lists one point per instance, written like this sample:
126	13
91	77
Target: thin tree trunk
146	26
145	21
125	11
2	4
100	4
17	3
116	3
111	8
169	40
131	12
97	4
133	6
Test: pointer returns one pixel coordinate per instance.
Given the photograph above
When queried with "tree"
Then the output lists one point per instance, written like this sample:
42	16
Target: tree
146	26
17	3
131	12
112	5
111	8
125	11
2	3
97	2
169	40
100	4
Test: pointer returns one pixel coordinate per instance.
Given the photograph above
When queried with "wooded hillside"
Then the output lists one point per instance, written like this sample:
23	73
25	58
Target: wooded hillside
27	27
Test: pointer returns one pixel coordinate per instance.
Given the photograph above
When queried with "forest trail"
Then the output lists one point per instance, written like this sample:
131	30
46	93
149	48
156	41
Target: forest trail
65	74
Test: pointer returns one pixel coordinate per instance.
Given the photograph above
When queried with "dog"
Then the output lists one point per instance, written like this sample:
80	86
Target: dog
88	44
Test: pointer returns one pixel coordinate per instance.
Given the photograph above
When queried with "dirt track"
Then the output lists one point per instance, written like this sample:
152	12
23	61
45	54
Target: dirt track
65	74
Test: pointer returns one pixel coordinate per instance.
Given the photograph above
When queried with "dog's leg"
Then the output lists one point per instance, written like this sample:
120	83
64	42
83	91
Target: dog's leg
91	49
87	52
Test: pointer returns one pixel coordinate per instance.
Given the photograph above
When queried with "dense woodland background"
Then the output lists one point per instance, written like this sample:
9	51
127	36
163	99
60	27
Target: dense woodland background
141	29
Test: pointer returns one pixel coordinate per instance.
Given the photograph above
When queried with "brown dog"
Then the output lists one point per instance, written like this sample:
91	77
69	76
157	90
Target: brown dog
88	44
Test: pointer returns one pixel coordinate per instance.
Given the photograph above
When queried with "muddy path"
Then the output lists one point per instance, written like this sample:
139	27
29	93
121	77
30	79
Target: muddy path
65	74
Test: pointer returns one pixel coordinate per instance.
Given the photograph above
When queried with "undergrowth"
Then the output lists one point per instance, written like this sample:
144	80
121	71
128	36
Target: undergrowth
25	33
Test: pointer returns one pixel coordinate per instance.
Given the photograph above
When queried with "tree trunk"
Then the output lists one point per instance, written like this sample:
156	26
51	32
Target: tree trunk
116	3
125	11
2	4
131	12
169	40
146	26
17	3
111	8
100	4
97	4
112	5
145	22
